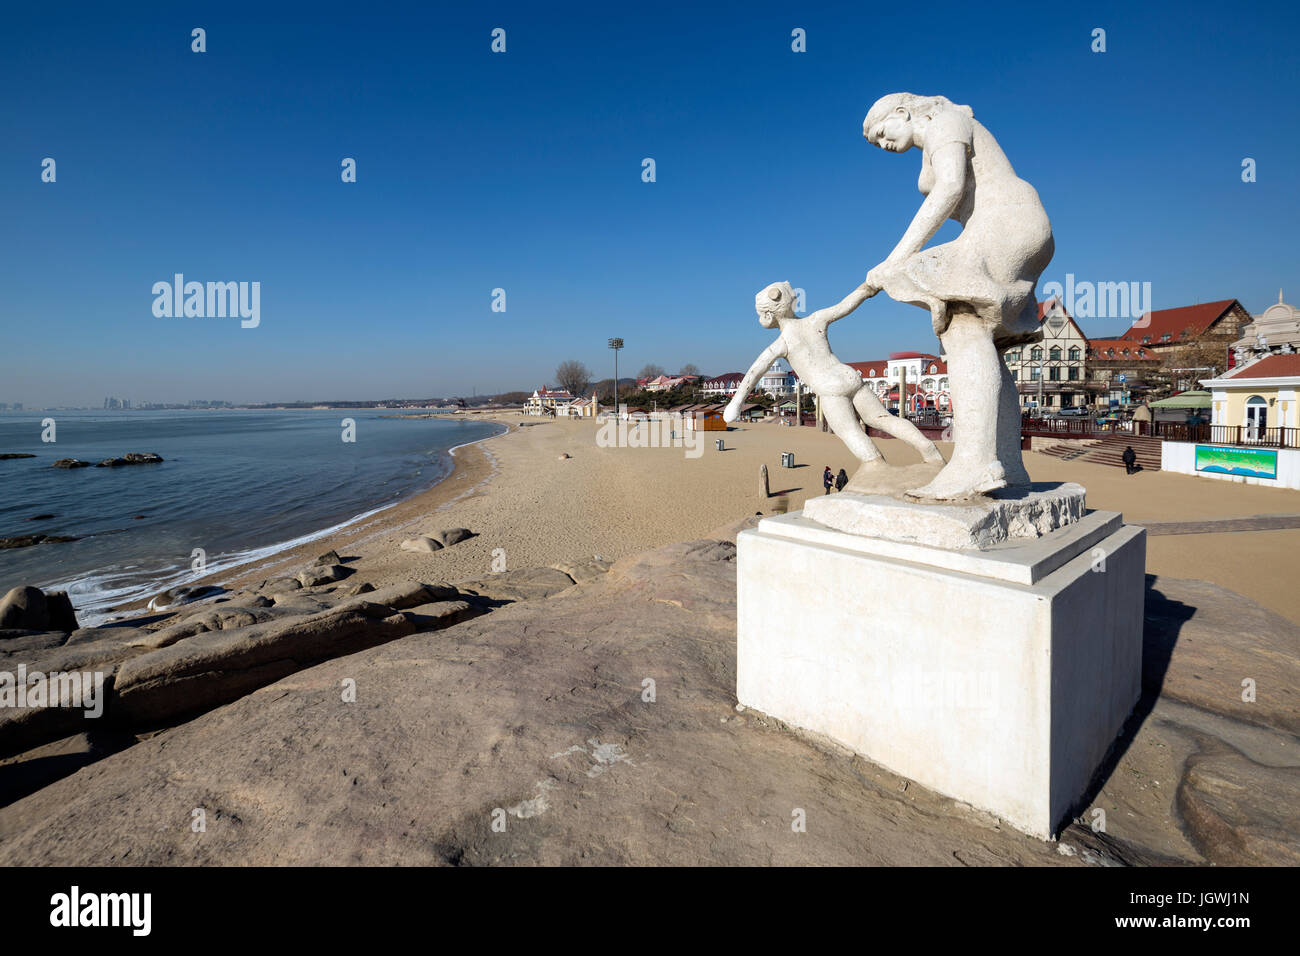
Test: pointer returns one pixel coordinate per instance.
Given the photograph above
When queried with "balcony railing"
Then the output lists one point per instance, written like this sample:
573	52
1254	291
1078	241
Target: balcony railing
1224	434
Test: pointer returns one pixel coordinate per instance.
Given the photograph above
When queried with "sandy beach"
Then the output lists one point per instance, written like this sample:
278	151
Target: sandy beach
516	494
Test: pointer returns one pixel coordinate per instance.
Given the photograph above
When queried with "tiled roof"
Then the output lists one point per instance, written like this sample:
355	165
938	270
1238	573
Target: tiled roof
871	369
1272	366
1173	322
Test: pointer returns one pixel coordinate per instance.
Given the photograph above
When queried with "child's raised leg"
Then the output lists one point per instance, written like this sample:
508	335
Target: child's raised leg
875	415
844	423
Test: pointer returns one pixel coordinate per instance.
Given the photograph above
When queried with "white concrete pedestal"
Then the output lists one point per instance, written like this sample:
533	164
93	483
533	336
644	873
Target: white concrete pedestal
997	677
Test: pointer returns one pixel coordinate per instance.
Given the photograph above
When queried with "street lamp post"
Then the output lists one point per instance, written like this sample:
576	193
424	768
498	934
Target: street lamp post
616	344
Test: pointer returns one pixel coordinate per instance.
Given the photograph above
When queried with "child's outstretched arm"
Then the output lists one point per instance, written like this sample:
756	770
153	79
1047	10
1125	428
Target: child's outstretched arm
761	365
846	305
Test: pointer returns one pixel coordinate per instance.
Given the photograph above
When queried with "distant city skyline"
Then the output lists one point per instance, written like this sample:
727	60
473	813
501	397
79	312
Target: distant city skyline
488	181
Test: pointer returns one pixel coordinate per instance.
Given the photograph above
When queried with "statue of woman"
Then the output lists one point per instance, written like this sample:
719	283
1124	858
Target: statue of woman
979	288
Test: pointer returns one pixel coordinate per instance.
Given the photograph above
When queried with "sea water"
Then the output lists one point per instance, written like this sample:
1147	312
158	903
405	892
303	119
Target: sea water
240	485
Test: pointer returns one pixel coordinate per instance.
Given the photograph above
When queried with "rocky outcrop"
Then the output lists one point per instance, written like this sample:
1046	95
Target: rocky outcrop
70	463
322	574
6	456
600	723
131	458
31	609
185	594
526	584
27	540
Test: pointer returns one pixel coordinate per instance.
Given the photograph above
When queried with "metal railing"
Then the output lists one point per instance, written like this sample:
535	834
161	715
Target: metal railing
1225	434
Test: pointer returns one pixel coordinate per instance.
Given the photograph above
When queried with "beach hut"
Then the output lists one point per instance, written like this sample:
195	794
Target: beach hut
705	419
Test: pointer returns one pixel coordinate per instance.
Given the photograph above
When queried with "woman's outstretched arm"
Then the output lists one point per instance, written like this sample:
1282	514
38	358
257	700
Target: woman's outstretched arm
761	365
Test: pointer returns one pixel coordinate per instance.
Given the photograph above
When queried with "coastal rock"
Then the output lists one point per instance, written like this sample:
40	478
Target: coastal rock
526	584
142	458
89	635
423	543
584	572
21	644
112	463
217	667
246	599
539	708
185	594
326	574
279	586
450	536
365	587
329	557
27	540
408	594
70	463
432	617
6	456
39	518
32	609
565	456
1241	813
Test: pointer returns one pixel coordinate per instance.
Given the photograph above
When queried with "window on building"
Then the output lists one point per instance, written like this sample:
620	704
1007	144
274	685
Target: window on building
1146	340
1074	354
1054	373
1055	353
1166	337
1036	372
1013	356
1015	375
1036	354
1074	373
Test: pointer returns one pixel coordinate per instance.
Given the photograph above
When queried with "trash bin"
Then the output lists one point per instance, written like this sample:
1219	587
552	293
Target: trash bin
718	443
787	459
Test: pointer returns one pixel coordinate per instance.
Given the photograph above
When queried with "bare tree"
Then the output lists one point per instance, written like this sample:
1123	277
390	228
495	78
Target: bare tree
650	371
573	377
1197	357
690	369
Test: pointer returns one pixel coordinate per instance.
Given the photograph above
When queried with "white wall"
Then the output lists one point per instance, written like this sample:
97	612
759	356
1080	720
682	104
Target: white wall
1180	457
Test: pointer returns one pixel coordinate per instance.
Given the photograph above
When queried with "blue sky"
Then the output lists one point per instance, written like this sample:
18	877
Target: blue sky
522	171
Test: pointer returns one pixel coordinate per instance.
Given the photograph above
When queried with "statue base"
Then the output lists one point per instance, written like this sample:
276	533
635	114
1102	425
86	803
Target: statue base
980	522
998	677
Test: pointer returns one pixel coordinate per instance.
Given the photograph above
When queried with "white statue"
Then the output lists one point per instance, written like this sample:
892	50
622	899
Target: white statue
979	288
803	343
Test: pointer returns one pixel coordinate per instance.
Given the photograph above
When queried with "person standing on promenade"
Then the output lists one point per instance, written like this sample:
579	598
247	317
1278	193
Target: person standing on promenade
1130	460
828	479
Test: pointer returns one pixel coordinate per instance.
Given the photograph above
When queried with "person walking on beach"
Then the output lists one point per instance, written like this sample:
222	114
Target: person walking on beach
828	479
1130	460
841	480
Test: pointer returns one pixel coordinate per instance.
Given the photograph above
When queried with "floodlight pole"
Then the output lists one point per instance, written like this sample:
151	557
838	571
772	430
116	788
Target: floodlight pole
616	344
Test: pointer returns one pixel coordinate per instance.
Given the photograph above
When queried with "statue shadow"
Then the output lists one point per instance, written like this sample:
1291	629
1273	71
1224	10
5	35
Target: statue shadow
1162	621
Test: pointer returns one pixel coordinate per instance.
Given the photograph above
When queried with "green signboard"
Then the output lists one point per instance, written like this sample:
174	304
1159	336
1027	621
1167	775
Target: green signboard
1245	462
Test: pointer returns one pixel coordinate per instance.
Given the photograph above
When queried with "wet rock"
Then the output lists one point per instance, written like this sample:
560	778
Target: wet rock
14	454
185	594
70	463
40	518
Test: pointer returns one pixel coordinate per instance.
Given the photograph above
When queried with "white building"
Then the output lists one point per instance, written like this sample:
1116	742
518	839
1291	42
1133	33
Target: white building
545	401
778	380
